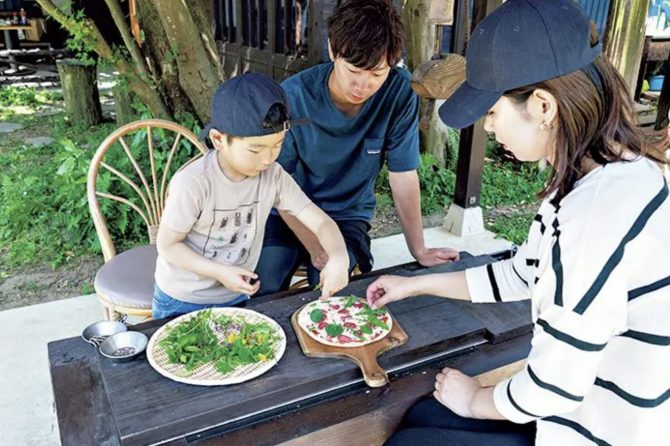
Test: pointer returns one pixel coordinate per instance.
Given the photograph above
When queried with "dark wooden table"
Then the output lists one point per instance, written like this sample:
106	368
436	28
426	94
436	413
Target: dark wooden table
301	400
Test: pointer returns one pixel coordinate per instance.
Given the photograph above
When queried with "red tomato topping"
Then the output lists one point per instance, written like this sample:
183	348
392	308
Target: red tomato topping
350	325
334	306
343	339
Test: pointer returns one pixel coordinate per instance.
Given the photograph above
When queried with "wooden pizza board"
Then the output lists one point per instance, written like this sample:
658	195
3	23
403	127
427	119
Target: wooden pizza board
365	357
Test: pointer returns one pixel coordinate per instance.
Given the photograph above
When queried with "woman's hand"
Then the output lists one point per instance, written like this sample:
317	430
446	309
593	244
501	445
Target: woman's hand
457	391
389	289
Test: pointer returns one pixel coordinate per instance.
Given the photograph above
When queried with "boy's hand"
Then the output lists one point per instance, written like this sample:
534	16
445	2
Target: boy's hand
388	289
334	277
237	279
319	258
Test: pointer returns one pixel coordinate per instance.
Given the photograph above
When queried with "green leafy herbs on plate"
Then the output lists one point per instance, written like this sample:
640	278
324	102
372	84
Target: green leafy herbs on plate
228	342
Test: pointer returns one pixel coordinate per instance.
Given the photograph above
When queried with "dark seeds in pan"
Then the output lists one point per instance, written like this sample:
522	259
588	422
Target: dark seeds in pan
124	351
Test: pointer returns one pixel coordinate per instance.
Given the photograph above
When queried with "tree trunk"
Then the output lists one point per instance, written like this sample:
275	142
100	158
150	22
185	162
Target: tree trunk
421	44
80	91
193	48
161	60
123	103
624	37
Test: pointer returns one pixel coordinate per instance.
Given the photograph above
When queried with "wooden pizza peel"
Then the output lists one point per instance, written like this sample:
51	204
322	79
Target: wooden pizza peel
364	357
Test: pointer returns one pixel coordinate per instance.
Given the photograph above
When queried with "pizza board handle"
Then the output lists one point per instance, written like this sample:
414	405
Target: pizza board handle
373	374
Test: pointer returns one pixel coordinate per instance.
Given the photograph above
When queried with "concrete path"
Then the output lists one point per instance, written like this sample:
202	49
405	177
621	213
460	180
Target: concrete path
26	398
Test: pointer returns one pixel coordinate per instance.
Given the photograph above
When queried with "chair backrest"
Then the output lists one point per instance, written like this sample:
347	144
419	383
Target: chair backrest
144	168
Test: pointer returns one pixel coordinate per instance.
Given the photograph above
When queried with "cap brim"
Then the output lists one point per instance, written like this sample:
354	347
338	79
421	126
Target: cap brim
204	133
467	105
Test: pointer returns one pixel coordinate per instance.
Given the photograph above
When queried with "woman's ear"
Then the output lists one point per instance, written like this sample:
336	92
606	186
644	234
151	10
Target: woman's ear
543	107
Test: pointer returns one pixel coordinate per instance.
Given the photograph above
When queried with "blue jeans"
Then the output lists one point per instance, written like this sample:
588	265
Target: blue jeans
163	305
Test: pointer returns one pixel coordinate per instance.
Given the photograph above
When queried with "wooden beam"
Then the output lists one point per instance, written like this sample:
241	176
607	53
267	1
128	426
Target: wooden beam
470	165
472	146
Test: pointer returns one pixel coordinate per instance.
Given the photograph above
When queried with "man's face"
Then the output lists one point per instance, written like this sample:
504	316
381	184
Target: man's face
354	85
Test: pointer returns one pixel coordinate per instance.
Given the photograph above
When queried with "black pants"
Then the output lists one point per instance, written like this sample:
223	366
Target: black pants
283	253
429	423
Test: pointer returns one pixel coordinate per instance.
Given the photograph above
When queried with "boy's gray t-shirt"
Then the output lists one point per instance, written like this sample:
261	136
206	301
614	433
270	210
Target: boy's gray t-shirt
224	222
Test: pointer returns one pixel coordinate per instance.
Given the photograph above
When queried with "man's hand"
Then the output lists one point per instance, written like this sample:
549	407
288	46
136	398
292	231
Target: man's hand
334	277
456	391
388	289
436	256
237	279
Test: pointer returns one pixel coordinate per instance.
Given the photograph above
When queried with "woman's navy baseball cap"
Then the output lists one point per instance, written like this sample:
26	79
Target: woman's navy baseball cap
240	105
520	43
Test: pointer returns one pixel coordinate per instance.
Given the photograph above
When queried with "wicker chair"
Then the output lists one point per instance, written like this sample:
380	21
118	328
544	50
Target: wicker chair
124	284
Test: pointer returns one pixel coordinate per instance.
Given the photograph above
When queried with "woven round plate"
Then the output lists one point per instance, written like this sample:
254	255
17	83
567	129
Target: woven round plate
206	374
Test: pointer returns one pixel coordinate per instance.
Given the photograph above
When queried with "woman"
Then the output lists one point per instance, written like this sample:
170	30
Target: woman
596	264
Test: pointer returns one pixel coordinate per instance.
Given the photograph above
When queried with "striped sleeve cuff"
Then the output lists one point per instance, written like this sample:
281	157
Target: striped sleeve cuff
504	401
479	284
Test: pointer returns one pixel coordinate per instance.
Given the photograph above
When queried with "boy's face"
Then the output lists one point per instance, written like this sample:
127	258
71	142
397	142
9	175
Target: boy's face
247	156
354	85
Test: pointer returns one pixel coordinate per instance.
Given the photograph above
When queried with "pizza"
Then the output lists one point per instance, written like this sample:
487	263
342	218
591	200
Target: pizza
344	322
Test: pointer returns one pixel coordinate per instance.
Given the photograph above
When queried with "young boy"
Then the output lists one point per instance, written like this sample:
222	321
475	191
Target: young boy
212	227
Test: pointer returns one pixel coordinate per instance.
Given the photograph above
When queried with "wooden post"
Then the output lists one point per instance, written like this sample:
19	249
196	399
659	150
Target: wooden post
624	37
464	216
80	91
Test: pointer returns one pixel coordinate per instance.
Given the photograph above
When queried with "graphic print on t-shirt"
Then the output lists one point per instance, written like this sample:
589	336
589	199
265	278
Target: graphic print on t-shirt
232	234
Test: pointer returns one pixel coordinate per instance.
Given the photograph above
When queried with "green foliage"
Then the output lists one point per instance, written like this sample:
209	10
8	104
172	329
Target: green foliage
512	227
437	185
44	214
82	40
504	184
436	182
26	96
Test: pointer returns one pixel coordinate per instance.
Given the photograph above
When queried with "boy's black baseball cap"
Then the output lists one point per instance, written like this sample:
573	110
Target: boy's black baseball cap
520	43
240	105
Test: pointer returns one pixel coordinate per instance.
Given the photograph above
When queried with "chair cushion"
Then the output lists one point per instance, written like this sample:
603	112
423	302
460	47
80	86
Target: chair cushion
128	278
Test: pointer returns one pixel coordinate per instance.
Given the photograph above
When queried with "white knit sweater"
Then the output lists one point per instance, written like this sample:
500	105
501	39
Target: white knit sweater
596	267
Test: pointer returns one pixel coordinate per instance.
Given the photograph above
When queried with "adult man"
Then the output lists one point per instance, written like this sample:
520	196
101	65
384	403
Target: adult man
363	114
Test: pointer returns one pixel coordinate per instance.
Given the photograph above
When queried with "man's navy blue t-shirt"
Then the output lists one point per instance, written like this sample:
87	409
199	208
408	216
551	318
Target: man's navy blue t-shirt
336	158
